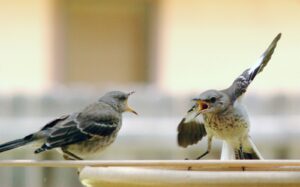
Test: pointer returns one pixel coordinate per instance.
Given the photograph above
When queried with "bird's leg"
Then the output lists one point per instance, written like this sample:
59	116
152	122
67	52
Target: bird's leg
66	157
70	155
201	156
242	156
237	154
209	140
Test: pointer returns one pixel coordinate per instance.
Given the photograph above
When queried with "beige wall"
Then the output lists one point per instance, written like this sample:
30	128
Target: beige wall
105	41
49	42
199	44
25	45
207	43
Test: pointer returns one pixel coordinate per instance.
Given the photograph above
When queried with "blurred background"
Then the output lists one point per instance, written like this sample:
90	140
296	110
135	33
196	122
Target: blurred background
57	56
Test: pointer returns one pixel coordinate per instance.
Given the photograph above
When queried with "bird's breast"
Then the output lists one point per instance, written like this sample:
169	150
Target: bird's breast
228	126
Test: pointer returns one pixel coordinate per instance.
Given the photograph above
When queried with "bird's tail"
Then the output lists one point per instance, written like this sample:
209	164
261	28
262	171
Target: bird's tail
250	152
16	143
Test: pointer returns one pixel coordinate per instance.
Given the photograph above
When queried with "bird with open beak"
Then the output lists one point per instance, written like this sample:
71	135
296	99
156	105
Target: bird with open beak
223	116
81	135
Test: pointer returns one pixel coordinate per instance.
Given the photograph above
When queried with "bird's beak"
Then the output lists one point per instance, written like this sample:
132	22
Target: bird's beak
202	105
128	109
130	93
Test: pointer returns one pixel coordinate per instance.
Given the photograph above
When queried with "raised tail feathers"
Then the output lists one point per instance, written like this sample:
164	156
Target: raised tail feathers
16	143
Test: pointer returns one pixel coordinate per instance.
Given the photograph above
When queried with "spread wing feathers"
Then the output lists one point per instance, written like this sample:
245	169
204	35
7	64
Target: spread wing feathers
79	129
190	132
239	86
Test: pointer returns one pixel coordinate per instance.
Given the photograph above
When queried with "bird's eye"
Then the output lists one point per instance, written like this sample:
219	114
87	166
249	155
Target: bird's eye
212	100
122	98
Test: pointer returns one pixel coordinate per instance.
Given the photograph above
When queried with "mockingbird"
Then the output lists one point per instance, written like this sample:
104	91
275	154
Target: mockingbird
83	134
223	116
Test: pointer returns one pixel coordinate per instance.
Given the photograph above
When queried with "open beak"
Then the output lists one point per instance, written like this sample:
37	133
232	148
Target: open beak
202	105
130	93
128	109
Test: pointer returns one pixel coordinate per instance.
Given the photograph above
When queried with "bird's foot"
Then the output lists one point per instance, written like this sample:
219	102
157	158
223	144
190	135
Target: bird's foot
190	167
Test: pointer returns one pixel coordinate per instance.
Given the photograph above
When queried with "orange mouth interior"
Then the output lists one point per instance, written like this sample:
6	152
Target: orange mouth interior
202	105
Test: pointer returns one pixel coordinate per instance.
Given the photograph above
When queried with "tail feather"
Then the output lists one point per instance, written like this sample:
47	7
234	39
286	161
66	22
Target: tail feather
16	143
251	156
231	152
253	149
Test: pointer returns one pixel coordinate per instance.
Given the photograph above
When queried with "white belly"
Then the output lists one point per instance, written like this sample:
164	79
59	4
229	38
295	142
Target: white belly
231	126
227	132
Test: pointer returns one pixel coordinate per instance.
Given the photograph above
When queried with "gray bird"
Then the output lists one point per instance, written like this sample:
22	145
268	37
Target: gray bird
83	134
223	115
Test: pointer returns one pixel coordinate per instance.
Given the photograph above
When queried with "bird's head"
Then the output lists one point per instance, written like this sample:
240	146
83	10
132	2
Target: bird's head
118	100
211	101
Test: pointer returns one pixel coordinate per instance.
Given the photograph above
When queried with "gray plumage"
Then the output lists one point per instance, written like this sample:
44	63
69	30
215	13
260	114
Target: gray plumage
224	117
83	134
240	84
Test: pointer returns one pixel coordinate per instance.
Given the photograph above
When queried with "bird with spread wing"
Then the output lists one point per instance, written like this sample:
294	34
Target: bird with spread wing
223	115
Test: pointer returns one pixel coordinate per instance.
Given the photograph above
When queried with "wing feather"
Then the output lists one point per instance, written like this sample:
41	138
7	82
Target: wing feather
80	127
190	132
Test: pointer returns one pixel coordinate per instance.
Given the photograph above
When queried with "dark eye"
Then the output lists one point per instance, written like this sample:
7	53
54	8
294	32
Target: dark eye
122	98
212	100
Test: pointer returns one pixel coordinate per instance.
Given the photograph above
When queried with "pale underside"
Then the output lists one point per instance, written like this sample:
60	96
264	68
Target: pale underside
231	126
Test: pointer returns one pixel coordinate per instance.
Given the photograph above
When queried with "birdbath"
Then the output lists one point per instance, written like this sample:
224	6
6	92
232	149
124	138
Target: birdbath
215	173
